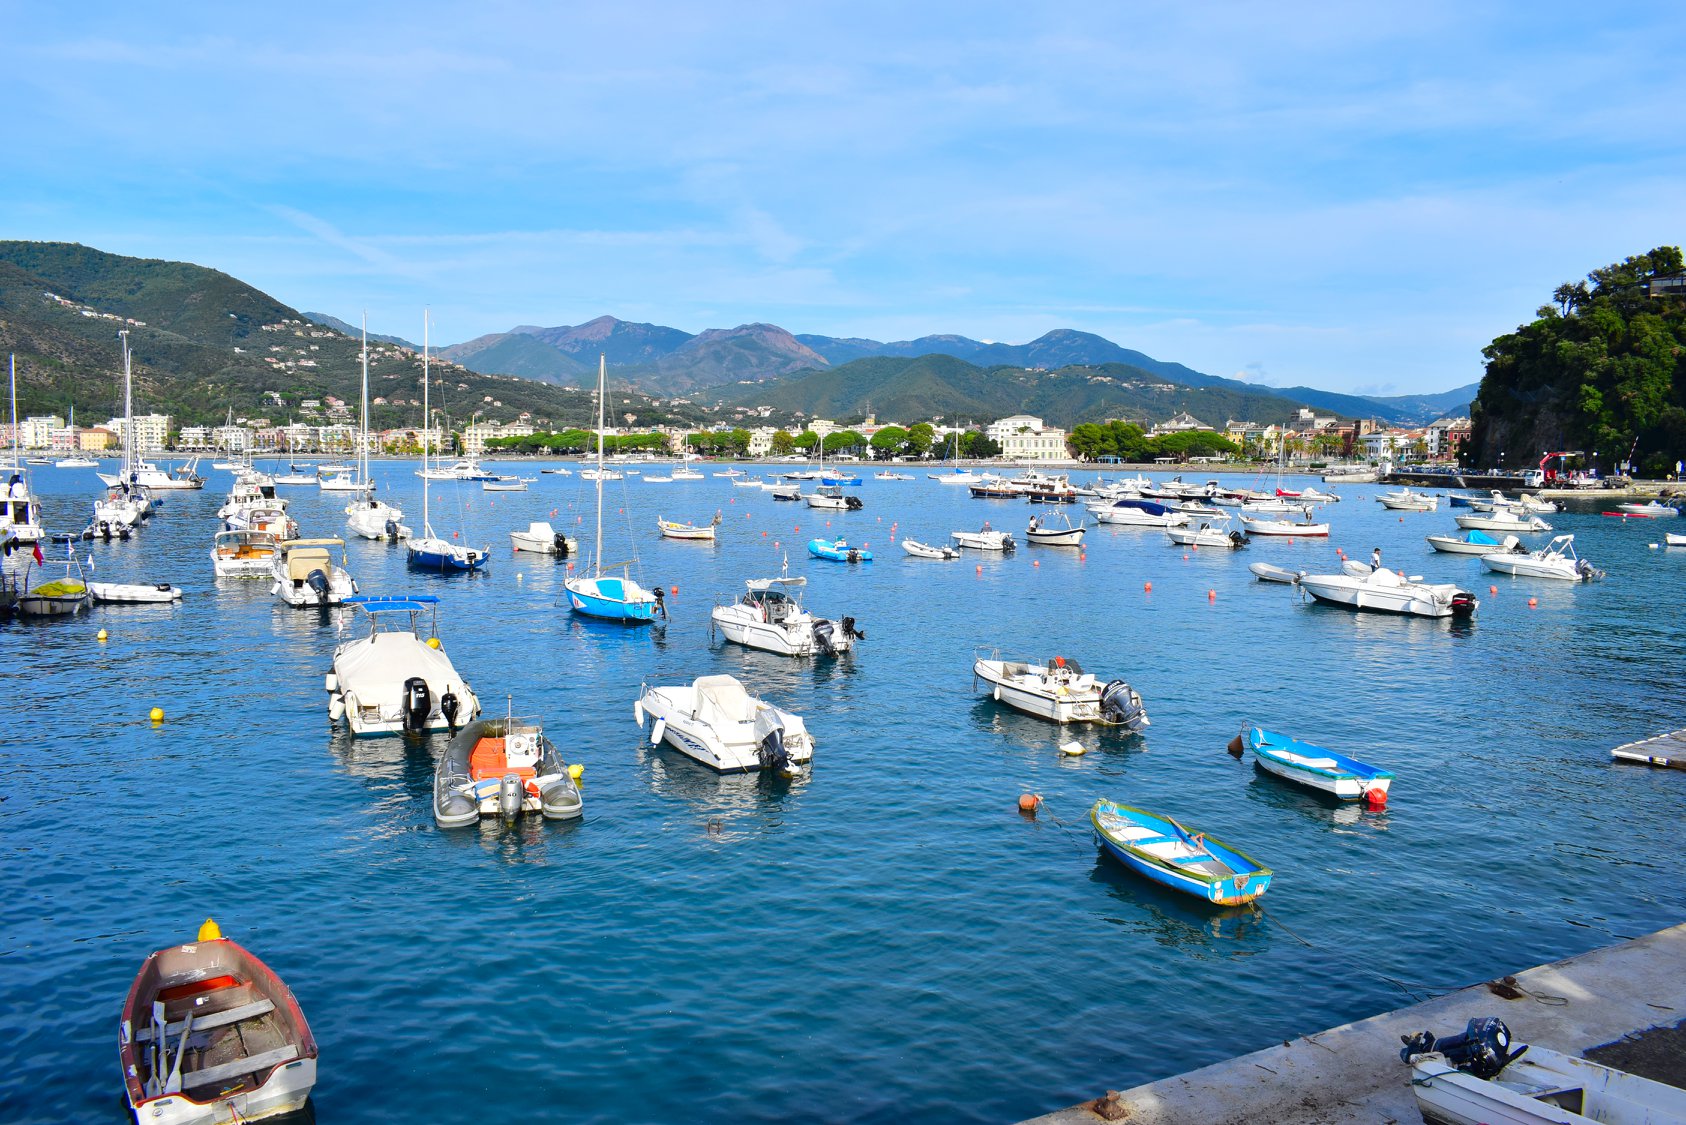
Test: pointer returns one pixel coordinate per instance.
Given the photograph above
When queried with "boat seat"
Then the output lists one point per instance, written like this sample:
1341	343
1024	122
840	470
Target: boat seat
213	1019
488	761
1310	763
1143	841
252	1064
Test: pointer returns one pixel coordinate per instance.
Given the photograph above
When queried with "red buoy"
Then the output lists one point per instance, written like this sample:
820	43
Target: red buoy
1028	803
1376	798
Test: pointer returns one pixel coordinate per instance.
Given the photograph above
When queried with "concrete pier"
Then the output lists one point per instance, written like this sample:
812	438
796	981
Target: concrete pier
1352	1074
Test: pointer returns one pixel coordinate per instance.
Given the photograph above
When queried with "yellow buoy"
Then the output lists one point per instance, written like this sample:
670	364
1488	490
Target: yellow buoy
210	931
156	714
101	636
433	642
576	771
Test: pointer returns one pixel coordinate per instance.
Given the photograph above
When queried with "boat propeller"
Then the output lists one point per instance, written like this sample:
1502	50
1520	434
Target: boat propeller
1482	1049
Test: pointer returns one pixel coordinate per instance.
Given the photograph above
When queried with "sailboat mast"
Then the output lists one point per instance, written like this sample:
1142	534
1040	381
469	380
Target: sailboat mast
128	410
364	448
602	373
427	424
12	368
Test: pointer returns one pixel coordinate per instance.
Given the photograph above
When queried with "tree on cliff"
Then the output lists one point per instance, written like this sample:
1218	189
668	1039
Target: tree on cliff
1602	369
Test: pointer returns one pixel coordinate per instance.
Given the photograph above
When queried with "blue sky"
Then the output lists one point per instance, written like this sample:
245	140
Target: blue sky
1355	197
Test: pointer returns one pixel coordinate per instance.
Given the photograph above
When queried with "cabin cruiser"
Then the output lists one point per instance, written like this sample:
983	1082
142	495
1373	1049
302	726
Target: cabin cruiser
504	767
542	539
307	576
393	681
771	617
243	554
20	512
984	539
376	519
270	517
1384	591
715	721
1130	512
1061	692
1556	560
829	497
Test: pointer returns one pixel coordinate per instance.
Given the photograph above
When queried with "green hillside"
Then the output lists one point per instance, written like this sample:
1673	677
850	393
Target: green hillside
942	386
207	342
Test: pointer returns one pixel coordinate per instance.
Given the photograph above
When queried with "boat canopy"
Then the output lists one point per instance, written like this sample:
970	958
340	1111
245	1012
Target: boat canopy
378	603
761	584
1148	506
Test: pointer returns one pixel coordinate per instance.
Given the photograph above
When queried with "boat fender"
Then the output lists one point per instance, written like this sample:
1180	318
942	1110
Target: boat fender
336	709
449	705
418	704
331	682
657	731
1375	799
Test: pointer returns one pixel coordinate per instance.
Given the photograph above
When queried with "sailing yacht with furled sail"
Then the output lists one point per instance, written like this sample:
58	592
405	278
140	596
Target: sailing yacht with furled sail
607	596
20	512
431	552
366	516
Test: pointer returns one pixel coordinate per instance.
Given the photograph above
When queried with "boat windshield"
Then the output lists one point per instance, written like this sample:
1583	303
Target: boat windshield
1066	663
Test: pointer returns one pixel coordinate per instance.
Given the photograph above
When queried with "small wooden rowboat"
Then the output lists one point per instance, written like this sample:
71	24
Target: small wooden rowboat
211	1034
925	551
1314	767
1176	857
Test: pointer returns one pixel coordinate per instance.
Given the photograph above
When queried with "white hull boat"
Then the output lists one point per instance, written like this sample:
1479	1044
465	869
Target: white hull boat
1266	572
962	477
1039	534
1206	536
306	575
542	539
136	593
1503	521
1130	512
771	617
344	482
1674	540
505	484
376	519
1383	591
925	551
1061	692
984	540
393	681
716	722
503	768
243	554
672	529
786	491
1473	543
1651	510
1557	560
77	463
1405	500
1289	528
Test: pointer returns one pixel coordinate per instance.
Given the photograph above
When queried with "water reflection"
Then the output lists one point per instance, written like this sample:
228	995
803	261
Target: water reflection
1274	793
728	807
1176	920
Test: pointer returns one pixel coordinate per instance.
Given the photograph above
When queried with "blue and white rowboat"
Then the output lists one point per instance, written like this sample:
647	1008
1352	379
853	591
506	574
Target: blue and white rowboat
613	599
1173	856
1314	767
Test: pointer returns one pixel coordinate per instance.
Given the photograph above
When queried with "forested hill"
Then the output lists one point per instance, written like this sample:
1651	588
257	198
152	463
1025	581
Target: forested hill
205	342
1602	370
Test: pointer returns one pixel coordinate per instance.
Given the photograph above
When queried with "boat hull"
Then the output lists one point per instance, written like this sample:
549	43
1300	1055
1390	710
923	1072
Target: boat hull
1316	768
611	599
1064	537
1152	846
1406	599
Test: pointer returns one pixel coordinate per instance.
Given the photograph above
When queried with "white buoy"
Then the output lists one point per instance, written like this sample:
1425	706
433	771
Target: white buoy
1073	750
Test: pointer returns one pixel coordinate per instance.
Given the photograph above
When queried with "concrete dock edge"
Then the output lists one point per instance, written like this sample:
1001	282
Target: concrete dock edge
1352	1073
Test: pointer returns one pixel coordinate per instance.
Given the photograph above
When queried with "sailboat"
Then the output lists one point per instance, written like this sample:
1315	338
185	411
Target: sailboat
366	516
594	593
430	552
127	503
684	471
20	512
76	460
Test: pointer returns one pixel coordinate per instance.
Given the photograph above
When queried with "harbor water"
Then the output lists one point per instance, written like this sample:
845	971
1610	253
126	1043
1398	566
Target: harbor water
885	939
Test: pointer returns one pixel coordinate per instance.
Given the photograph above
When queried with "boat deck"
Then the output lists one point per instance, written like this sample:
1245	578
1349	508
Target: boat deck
1665	750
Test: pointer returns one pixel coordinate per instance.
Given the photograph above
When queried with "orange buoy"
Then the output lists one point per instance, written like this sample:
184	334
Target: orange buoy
980	569
1185	558
1376	798
1494	590
674	590
1211	595
1037	562
1147	587
1290	540
1235	746
1082	556
1029	803
1532	603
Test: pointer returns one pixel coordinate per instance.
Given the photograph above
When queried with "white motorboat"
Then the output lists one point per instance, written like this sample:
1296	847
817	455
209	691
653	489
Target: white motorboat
685	473
40	595
1207	535
395	681
1651	509
1266	572
715	721
369	518
343	480
542	539
600	474
1408	500
1043	532
1477	1078
830	498
1556	559
1383	591
1318	496
244	554
890	475
1672	540
465	469
77	463
1474	543
926	551
984	539
672	529
771	616
558	472
729	473
1502	521
1061	692
1274	505
1531	503
296	476
255	489
959	476
306	575
148	475
1306	528
1201	510
506	484
786	491
134	593
1132	512
1352	474
657	480
272	518
504	767
747	482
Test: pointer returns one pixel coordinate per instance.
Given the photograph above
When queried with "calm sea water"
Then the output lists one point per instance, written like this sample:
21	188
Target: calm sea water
887	939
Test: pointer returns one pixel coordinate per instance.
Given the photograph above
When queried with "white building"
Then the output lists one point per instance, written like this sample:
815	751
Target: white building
476	434
1179	424
1023	437
761	441
194	437
152	431
36	431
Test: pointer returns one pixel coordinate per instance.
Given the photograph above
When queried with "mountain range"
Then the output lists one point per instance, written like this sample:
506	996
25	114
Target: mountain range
666	361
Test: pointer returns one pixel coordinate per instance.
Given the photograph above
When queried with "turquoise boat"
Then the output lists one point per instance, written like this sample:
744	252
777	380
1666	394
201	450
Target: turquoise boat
1315	767
1173	856
838	550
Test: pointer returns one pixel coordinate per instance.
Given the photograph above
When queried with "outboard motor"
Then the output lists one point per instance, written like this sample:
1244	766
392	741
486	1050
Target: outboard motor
772	754
449	705
560	545
510	795
822	637
1007	543
418	704
1482	1050
392	530
854	555
851	630
318	581
852	503
661	604
1585	570
1463	604
1121	705
1238	539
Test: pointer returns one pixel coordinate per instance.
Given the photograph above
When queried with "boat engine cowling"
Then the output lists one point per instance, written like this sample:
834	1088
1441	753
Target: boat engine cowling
318	581
1482	1049
1237	539
1121	705
822	636
418	704
1463	603
392	530
853	503
560	545
772	753
449	705
511	793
